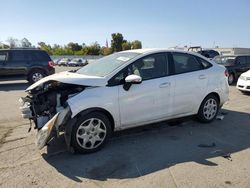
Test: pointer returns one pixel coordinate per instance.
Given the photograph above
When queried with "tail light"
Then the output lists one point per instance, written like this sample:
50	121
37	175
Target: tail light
226	73
51	64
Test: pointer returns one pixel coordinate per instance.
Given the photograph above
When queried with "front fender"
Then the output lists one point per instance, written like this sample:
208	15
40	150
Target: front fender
97	97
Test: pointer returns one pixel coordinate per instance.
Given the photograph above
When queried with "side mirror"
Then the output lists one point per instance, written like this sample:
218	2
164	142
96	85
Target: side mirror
131	79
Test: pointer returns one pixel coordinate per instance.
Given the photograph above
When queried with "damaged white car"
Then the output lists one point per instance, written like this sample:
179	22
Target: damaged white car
123	90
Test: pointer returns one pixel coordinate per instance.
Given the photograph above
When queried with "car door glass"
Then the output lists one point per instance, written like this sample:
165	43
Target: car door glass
150	67
18	56
248	60
153	66
3	57
241	60
204	63
185	63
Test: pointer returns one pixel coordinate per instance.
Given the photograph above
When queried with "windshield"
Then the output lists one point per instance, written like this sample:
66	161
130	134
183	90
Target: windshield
106	65
75	60
225	60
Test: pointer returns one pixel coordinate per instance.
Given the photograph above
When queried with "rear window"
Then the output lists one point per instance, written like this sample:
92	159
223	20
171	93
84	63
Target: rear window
40	56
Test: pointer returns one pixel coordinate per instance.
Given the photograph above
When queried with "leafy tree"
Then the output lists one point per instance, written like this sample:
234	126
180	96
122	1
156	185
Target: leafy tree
106	51
45	47
126	45
116	42
25	43
74	46
93	49
136	44
13	42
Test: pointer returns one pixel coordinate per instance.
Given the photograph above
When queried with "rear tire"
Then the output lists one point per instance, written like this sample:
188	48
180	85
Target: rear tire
91	132
231	79
36	75
209	109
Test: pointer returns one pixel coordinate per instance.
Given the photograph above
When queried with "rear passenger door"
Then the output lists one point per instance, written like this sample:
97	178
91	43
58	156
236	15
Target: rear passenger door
19	62
191	79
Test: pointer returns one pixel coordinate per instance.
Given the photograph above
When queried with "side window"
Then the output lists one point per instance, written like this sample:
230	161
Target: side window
248	60
40	56
20	56
241	60
149	67
204	63
185	63
3	56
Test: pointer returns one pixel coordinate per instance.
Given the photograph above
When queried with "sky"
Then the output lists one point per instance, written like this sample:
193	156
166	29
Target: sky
158	23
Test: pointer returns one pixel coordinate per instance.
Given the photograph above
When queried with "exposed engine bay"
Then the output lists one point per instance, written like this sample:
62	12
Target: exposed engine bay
47	100
47	106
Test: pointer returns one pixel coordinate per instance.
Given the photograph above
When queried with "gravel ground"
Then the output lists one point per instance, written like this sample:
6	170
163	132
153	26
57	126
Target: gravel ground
152	156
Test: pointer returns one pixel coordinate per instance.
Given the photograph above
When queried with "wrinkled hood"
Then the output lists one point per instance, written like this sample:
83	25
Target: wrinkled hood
246	73
71	78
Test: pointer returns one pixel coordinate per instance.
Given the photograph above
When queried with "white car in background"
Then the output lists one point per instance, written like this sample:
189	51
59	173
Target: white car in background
243	83
124	90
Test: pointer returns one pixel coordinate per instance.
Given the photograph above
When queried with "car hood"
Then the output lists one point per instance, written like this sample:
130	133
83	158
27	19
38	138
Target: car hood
71	78
246	73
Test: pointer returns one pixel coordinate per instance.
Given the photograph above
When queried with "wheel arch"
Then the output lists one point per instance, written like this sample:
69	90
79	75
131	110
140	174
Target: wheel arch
32	69
101	110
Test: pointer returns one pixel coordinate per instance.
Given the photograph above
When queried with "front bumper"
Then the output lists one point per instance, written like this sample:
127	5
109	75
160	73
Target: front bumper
243	85
45	126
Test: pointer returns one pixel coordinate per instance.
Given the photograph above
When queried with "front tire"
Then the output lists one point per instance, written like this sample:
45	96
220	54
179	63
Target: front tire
208	109
91	132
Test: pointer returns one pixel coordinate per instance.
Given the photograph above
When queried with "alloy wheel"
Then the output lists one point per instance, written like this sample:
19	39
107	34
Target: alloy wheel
210	108
37	76
91	133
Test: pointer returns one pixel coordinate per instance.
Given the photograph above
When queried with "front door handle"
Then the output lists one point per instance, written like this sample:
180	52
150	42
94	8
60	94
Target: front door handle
202	77
165	84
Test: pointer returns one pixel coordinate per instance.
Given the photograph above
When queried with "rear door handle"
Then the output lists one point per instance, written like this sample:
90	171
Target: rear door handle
202	77
165	84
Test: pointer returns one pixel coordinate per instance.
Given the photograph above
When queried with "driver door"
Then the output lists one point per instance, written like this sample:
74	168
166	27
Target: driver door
141	103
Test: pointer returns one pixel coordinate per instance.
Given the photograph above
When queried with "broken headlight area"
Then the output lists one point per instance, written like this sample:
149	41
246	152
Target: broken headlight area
47	107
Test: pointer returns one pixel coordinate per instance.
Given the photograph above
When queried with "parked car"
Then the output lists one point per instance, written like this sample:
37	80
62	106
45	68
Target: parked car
76	62
235	64
209	53
243	83
206	53
63	62
30	64
124	90
56	61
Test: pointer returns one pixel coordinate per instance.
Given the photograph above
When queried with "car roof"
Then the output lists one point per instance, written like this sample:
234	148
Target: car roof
159	50
234	55
22	49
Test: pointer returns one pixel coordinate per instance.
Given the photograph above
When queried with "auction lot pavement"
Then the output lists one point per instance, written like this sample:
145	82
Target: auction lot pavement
189	154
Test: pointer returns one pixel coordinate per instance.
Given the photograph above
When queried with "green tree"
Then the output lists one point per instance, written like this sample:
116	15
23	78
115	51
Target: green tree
13	42
136	44
93	49
106	51
74	46
45	47
25	43
126	45
116	42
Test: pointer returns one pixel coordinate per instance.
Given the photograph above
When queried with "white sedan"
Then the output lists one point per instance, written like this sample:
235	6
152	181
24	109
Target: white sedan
124	90
243	83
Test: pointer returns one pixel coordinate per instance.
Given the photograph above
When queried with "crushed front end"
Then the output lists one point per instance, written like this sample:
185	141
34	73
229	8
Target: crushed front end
46	105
